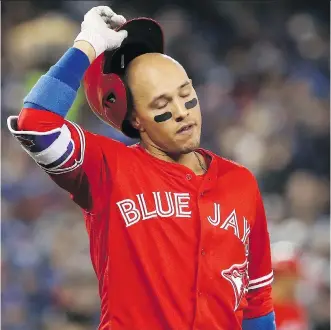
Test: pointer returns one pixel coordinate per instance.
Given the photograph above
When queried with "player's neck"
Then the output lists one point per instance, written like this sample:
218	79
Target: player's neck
193	160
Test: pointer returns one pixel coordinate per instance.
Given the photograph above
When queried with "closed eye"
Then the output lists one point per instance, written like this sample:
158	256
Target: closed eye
162	106
184	94
185	91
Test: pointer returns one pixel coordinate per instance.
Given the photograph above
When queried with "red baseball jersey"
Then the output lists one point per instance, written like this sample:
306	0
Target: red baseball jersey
171	250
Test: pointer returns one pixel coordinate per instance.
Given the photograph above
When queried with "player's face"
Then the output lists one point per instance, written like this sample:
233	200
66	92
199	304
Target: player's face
167	110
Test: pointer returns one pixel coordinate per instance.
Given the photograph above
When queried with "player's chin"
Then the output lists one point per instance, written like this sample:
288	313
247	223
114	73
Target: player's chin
189	146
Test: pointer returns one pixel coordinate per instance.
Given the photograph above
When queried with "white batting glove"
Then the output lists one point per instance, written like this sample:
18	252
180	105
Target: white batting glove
97	29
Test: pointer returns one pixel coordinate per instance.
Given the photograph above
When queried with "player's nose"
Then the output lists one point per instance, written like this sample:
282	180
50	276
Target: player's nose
179	111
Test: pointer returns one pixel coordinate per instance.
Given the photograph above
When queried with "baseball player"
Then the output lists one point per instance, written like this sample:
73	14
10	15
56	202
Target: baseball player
178	235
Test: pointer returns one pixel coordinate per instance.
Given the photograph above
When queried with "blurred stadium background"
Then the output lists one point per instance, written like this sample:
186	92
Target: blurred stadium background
261	69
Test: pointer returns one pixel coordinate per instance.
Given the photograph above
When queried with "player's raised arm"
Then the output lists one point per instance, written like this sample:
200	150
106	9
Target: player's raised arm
72	156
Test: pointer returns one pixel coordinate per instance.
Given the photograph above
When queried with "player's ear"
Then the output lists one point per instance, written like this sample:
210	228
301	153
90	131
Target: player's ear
135	122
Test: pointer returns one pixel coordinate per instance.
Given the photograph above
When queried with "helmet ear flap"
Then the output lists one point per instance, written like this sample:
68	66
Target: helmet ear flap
112	94
109	97
120	100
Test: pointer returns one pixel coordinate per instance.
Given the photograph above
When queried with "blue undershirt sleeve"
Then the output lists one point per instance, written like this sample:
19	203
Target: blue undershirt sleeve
266	322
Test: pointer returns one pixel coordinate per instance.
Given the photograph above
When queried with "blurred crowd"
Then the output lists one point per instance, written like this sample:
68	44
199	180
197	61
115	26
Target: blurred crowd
261	71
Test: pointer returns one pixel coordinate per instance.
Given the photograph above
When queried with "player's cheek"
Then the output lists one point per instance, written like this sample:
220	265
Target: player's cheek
161	131
198	116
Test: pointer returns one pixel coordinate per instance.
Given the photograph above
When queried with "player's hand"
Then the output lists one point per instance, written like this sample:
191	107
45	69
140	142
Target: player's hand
97	29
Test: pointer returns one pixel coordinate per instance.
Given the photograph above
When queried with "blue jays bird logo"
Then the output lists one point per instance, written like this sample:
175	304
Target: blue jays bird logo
25	141
237	275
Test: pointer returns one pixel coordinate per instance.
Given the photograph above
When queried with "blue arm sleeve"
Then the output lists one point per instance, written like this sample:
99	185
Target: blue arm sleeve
57	89
266	322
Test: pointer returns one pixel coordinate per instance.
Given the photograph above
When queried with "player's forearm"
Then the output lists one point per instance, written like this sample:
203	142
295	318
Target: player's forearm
57	89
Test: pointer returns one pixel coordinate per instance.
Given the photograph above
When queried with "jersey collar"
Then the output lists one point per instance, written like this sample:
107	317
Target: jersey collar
175	169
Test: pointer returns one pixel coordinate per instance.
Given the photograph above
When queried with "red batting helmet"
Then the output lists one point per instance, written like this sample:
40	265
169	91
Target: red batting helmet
105	89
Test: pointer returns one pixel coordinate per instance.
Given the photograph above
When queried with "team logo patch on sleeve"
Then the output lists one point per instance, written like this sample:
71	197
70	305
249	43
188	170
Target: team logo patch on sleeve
237	275
26	142
38	143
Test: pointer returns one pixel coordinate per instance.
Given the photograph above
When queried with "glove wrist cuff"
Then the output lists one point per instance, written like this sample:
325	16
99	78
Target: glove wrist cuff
95	40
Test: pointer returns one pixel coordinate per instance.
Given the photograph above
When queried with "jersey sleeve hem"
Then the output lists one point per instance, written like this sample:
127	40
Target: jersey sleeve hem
261	281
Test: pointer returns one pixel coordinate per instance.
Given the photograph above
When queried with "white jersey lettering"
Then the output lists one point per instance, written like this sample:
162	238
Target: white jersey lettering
217	215
130	213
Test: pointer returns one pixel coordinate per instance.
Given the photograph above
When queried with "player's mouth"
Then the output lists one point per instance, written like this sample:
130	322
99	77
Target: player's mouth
186	129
